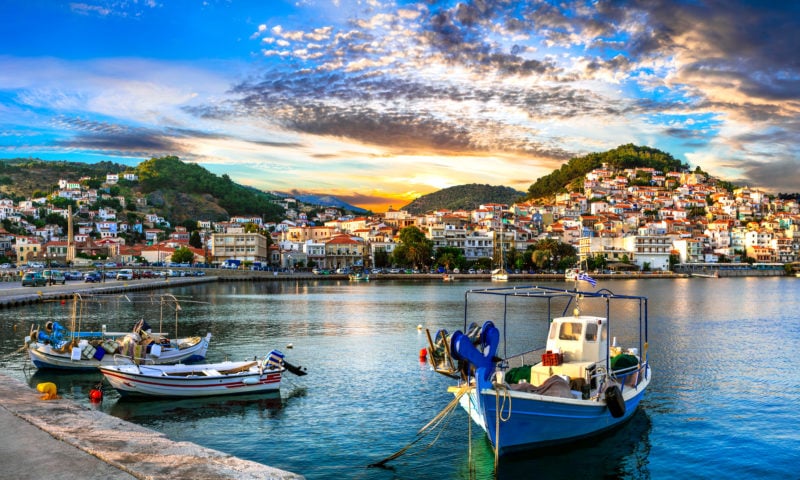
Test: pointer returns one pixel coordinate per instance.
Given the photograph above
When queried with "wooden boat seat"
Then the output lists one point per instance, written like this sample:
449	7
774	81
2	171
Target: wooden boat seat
243	368
211	373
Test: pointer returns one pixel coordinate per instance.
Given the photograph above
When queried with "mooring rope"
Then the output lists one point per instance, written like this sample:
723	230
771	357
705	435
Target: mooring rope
422	432
498	417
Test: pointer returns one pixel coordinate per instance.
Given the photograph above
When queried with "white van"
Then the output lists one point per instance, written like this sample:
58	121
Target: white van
125	274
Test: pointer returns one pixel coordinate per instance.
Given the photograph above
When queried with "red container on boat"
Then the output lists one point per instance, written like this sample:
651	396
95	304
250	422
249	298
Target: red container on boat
551	359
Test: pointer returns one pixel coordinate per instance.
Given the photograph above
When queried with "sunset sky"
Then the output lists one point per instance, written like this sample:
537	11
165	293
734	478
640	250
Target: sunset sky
379	102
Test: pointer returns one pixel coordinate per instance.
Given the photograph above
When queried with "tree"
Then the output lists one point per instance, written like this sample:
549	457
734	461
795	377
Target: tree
414	249
540	258
673	260
596	262
195	240
450	257
189	225
182	255
381	258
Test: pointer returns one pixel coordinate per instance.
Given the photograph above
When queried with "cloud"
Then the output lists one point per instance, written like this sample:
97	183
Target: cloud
477	87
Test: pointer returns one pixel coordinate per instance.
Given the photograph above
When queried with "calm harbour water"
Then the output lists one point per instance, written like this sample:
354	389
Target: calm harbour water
723	401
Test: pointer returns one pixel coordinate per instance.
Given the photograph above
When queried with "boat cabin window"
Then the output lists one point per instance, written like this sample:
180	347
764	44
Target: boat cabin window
570	331
591	332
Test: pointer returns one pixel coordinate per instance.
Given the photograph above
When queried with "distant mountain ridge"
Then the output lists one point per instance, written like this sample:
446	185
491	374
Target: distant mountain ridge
327	201
463	197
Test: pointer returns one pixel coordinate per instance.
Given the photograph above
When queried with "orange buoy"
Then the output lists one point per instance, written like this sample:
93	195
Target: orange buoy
423	354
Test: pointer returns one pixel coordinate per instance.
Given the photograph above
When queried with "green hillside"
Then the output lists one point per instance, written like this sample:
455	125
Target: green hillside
624	156
466	197
23	178
175	190
188	191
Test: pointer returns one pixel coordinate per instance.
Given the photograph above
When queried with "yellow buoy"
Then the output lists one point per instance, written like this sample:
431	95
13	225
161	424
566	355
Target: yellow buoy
48	389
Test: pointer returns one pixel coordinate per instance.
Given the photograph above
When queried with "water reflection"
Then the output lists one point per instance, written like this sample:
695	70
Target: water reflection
717	346
623	454
147	412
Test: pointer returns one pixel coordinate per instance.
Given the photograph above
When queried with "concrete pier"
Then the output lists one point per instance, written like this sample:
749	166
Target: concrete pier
62	439
43	439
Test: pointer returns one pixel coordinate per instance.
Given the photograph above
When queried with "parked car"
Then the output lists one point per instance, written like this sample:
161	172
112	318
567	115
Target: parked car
74	275
125	274
54	276
93	277
33	279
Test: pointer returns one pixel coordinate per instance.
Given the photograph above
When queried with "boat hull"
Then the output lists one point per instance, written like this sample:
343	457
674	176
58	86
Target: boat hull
537	421
161	382
44	357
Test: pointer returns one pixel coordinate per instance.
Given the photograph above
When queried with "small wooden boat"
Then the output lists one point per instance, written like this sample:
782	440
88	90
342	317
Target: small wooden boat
359	277
199	380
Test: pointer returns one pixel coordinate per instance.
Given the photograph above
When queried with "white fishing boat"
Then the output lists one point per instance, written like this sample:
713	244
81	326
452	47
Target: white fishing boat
575	384
199	380
359	277
56	347
571	274
499	275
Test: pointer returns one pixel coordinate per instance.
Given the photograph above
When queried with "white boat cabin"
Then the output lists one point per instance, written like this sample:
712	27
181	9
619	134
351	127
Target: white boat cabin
575	347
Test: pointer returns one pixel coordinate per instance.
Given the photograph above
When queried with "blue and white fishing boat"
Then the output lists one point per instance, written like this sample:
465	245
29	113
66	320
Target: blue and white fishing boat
572	383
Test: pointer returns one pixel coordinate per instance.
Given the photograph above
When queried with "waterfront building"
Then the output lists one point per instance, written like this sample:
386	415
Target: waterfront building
345	251
246	247
478	244
26	248
314	252
649	250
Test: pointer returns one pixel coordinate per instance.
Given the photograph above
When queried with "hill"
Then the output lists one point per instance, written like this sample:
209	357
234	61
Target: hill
622	157
21	178
175	190
186	191
466	197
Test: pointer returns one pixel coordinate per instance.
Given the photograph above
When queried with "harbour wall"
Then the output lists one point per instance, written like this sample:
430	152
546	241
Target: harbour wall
14	297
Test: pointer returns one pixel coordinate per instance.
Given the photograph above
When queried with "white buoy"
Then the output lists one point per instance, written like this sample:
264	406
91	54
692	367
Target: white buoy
289	345
419	327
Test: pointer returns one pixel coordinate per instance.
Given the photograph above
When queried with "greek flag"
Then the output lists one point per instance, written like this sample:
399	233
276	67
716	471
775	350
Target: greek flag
586	278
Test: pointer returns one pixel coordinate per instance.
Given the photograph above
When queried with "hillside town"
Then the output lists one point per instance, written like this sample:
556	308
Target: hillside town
673	218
